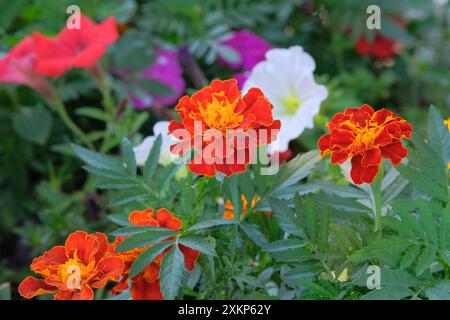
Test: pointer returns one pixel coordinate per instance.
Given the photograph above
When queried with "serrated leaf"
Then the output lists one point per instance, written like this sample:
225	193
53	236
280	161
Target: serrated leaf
440	291
152	161
285	216
210	224
388	293
409	257
425	260
254	233
295	170
98	160
143	239
171	273
282	245
128	157
146	257
119	219
199	244
131	231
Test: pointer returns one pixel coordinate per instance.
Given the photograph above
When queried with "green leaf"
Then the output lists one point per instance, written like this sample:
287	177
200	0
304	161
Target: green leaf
254	233
441	291
33	124
5	291
171	273
425	260
92	112
131	231
129	196
128	157
282	245
210	224
295	170
426	219
444	228
97	160
152	161
286	217
409	257
143	239
438	135
146	257
388	293
199	244
119	219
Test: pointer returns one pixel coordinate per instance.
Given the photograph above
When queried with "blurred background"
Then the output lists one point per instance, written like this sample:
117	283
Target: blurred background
168	48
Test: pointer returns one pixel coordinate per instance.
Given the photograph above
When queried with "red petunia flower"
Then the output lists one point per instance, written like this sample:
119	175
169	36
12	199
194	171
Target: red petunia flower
145	286
74	48
366	137
86	261
381	46
17	67
223	126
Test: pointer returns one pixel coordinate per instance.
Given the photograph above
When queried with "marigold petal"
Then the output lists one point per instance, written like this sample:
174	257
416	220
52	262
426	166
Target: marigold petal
143	290
371	157
190	256
167	220
84	244
31	287
85	293
109	268
394	151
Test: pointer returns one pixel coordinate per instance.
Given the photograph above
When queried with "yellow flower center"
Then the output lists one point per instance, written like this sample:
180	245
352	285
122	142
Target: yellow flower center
220	113
73	273
291	104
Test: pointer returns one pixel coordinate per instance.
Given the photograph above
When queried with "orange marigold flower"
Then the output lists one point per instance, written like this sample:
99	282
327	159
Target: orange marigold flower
86	261
211	114
229	208
145	286
366	137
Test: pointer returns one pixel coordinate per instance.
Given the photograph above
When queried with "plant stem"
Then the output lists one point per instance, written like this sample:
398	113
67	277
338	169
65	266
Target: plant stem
61	109
108	104
376	199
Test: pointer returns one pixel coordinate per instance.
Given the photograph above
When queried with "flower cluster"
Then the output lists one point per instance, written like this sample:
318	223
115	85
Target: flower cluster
366	137
89	261
145	285
86	261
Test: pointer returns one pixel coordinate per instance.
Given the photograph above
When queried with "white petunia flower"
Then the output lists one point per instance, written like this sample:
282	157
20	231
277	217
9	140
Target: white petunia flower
287	80
142	151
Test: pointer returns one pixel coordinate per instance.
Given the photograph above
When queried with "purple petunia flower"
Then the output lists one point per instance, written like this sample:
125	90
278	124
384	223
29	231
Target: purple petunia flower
250	47
167	70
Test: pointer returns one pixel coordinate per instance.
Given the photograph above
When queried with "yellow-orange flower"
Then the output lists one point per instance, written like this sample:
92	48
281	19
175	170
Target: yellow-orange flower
86	261
366	137
229	208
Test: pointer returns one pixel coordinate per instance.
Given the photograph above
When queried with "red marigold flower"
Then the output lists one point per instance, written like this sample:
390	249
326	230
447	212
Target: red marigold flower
216	113
366	137
74	48
17	67
86	261
145	286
